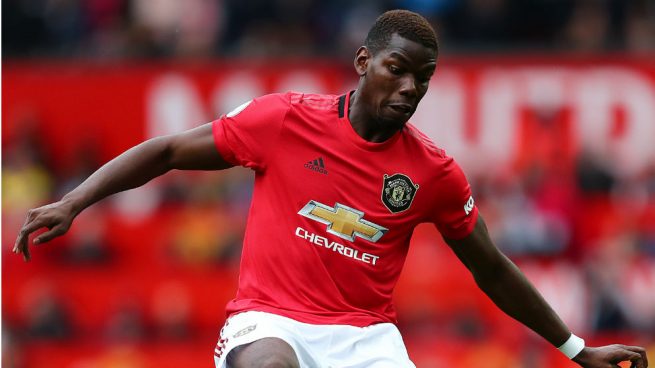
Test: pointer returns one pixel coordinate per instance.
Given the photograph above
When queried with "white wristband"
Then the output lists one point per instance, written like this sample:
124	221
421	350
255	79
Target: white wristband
572	347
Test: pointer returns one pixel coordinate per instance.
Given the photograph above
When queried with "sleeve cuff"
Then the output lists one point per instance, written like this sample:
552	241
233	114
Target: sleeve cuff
221	144
465	229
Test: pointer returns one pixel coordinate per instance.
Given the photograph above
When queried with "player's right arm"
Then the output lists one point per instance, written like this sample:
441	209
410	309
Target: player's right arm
194	149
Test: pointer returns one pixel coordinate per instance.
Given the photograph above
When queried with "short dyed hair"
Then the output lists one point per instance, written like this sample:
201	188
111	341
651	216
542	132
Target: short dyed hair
406	24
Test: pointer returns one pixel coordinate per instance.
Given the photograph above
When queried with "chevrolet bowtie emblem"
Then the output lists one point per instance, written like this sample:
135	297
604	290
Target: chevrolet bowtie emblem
343	221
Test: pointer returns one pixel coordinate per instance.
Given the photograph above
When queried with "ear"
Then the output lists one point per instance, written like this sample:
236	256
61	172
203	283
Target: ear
362	58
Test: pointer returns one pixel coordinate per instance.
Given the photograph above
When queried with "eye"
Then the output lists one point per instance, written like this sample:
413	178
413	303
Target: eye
424	79
394	69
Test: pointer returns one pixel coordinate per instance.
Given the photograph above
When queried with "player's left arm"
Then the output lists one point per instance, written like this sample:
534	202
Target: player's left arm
515	295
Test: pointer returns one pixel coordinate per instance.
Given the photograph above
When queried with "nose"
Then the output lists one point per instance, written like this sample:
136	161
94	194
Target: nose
408	87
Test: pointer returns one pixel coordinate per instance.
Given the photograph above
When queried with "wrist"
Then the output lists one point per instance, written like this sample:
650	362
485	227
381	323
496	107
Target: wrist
582	356
572	347
75	203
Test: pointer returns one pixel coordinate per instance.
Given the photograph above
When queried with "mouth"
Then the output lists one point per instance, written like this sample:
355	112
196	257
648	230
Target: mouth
402	108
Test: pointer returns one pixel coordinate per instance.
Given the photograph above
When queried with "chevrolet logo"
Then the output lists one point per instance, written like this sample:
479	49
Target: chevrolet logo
343	221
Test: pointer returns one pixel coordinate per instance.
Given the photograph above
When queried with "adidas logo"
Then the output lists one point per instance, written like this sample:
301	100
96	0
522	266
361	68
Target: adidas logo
317	165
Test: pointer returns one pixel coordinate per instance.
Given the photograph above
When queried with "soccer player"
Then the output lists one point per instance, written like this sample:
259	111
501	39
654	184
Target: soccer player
340	184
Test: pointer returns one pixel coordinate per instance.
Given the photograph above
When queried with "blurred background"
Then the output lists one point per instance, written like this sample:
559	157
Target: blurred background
549	105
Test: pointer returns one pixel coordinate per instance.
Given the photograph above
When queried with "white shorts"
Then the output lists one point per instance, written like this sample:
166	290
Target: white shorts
317	346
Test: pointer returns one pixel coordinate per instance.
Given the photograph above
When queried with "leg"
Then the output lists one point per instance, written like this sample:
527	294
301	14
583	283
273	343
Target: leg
268	352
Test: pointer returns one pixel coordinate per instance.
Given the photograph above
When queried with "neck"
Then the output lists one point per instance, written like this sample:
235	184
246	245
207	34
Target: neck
365	123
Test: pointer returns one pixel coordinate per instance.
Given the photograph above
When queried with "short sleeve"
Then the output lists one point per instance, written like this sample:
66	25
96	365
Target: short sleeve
248	135
455	213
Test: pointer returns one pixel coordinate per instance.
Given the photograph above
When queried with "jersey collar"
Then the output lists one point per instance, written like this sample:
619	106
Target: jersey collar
350	133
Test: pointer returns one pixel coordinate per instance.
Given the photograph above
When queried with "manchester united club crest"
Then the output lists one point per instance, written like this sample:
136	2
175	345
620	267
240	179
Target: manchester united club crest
398	192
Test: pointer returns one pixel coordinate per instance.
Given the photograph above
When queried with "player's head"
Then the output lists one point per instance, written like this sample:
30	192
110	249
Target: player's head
395	66
406	24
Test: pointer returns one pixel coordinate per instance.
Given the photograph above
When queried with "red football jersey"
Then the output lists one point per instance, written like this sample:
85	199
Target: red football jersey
332	214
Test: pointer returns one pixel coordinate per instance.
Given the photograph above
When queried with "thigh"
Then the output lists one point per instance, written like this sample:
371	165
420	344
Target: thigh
269	352
376	346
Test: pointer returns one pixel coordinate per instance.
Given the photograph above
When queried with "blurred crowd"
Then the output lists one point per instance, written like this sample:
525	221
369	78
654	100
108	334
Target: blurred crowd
260	28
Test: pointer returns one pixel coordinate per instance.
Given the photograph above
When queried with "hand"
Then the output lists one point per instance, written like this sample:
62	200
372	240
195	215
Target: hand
57	217
611	355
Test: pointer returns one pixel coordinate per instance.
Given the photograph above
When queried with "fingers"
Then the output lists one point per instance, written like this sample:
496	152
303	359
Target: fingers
634	354
22	247
641	361
25	250
635	359
22	234
29	227
32	224
613	356
49	235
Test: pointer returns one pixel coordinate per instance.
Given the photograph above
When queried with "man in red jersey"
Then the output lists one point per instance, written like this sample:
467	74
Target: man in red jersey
340	184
